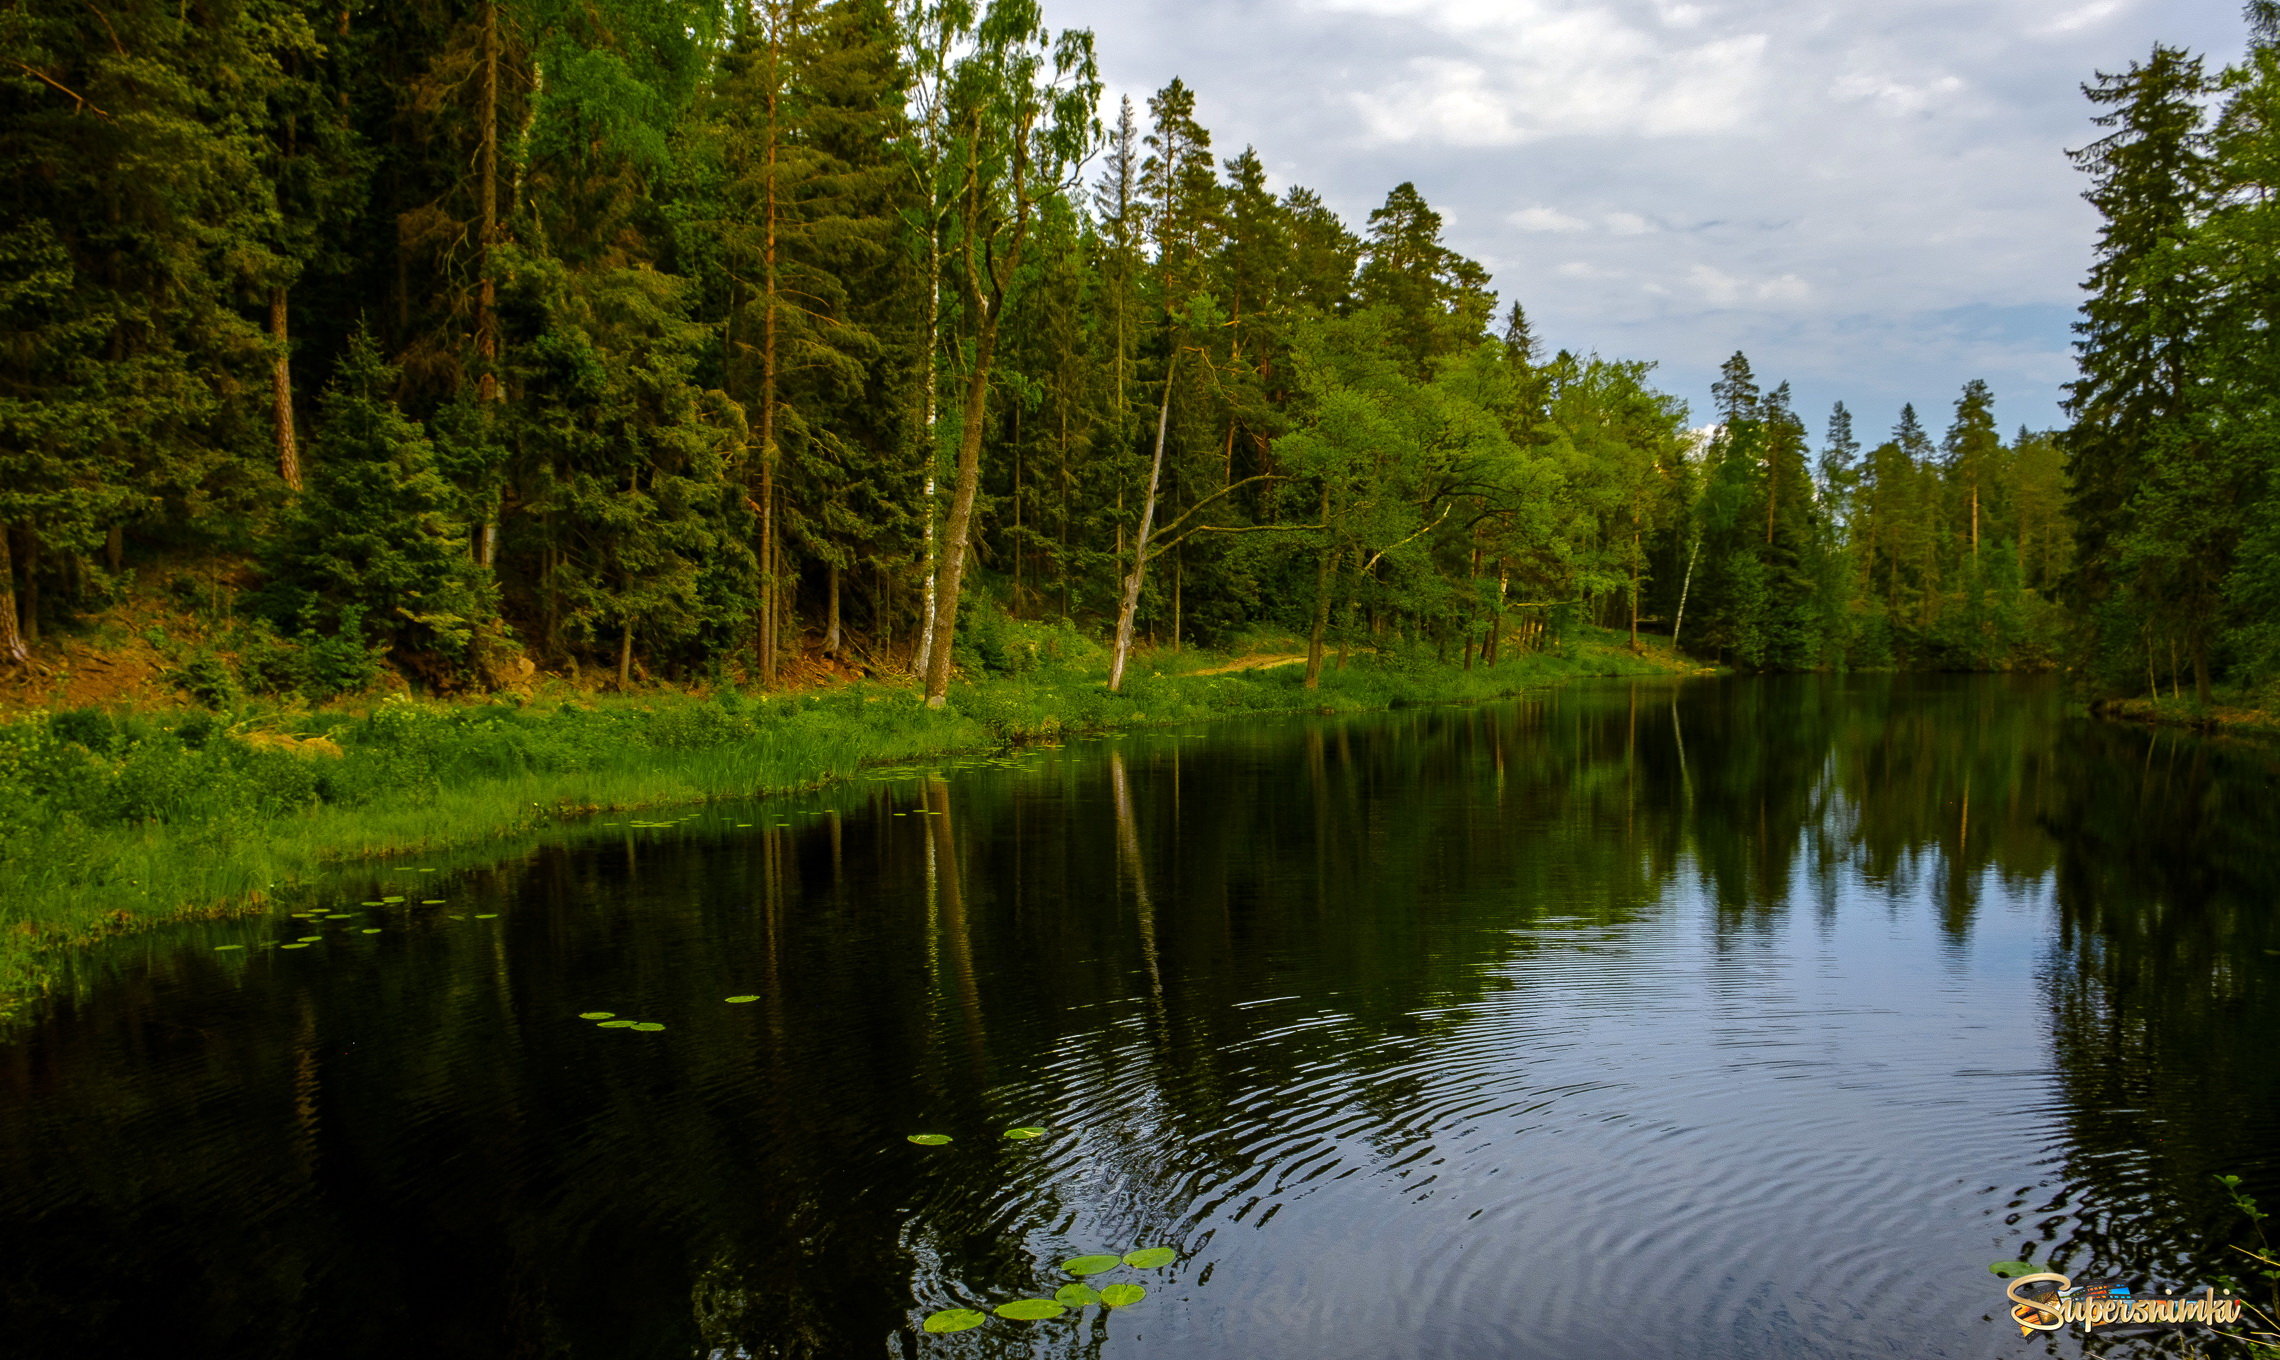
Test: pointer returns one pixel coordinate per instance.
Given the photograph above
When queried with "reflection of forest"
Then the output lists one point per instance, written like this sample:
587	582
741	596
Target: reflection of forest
424	1151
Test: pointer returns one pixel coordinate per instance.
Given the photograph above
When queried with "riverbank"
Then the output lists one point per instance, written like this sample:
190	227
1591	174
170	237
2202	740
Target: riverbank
114	821
2225	719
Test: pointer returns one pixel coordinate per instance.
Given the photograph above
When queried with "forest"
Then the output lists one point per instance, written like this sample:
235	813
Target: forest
682	341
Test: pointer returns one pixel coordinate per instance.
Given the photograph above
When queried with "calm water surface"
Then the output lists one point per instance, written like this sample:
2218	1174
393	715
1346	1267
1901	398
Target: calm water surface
1734	1019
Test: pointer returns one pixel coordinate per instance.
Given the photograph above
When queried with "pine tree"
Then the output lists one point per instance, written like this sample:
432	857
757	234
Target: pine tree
2134	405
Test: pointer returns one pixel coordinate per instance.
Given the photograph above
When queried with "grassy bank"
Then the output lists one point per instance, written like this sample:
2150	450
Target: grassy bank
2243	715
117	820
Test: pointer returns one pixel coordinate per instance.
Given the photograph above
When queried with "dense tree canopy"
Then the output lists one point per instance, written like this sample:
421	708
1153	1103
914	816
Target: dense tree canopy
679	337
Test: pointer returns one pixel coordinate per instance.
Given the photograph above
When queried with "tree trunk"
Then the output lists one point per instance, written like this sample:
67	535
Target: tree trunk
281	393
1324	571
625	654
768	644
953	568
487	296
1634	592
1686	585
115	548
831	639
28	602
13	652
1129	606
930	567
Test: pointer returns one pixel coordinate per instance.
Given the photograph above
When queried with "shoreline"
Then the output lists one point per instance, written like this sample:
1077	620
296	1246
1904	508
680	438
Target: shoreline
127	822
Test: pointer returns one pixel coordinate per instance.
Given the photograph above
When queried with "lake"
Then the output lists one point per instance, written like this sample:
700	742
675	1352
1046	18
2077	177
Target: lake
1732	1018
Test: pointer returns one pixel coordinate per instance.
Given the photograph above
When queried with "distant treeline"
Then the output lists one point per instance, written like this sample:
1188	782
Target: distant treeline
684	338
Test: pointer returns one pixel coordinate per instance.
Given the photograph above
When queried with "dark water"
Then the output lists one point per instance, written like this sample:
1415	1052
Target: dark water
1744	1019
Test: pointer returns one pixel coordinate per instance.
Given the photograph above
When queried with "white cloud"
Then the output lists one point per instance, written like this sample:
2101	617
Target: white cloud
1547	219
1872	199
1540	68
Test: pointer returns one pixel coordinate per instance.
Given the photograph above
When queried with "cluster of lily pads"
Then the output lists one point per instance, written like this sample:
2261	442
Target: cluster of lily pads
313	916
610	1020
1080	1293
1019	1133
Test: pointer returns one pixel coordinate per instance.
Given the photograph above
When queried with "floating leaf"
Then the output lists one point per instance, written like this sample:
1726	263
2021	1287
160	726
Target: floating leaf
391	900
1076	1295
617	1024
301	945
1029	1310
953	1320
220	947
486	916
310	939
1148	1258
345	915
930	1139
649	1026
1091	1265
740	1000
374	903
597	1015
371	930
1122	1295
2013	1269
1024	1132
431	902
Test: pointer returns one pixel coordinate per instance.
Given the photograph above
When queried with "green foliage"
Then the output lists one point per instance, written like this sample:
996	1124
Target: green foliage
374	549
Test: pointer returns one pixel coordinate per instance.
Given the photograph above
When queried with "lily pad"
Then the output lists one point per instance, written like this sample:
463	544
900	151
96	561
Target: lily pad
740	1000
953	1320
1091	1265
1024	1131
431	901
649	1026
310	939
617	1024
1029	1310
391	900
1076	1295
340	916
486	916
2013	1269
303	944
597	1015
1148	1258
930	1139
220	947
1122	1295
370	930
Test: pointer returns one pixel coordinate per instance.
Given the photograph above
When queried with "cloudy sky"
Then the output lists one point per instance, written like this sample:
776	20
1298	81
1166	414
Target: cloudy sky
1869	197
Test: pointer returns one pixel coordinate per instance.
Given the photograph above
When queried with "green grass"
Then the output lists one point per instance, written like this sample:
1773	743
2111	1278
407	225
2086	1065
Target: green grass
116	822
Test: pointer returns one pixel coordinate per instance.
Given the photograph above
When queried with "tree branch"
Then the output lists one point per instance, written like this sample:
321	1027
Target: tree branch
51	80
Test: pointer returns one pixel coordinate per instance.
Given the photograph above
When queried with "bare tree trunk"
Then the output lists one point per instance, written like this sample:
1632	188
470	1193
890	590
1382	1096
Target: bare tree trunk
1685	586
1129	606
13	652
1634	592
953	569
115	548
28	602
487	295
281	393
831	640
1324	570
767	644
931	565
487	286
